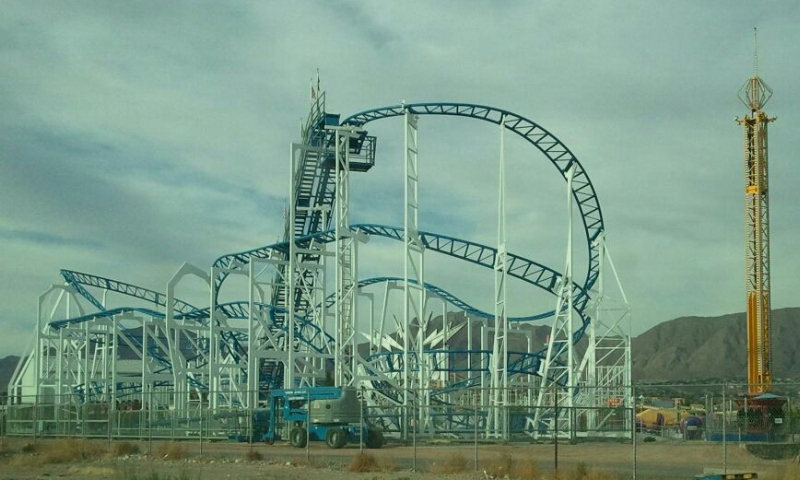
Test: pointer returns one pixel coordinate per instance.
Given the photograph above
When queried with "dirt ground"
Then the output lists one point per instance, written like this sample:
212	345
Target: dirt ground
21	459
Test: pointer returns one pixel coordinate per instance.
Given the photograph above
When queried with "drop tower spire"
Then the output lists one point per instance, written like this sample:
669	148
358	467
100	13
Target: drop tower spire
755	93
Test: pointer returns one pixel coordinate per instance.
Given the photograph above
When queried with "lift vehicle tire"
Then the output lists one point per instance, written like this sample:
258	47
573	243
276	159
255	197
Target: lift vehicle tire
336	438
374	438
297	437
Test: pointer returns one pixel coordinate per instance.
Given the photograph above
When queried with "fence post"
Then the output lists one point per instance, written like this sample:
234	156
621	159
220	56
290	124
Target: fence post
69	415
149	417
308	426
250	423
414	416
555	430
475	419
35	408
109	423
633	426
361	428
201	426
724	429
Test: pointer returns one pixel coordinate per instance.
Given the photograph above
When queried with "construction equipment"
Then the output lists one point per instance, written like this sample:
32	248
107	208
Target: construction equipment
335	415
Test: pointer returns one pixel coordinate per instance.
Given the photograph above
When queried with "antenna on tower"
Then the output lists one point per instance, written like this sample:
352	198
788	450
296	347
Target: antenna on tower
755	92
755	51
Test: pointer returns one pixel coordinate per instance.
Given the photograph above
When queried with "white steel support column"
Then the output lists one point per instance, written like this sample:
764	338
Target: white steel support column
499	370
413	250
289	366
558	368
446	344
252	342
590	357
346	269
213	368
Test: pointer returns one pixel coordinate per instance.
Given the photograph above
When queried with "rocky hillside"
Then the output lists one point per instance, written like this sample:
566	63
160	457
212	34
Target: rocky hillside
698	348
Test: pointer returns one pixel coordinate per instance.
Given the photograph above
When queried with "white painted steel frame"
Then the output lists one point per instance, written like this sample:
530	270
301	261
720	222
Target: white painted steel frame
498	426
413	270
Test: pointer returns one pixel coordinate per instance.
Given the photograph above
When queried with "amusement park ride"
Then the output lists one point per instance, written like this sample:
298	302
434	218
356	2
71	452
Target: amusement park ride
755	93
306	320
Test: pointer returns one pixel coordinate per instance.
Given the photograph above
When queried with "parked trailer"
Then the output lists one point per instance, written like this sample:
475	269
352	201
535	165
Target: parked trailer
336	417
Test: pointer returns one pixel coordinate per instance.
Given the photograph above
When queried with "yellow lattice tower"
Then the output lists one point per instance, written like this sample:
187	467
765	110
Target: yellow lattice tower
755	93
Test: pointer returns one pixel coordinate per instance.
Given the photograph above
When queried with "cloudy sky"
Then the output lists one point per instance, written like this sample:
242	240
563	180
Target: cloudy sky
135	136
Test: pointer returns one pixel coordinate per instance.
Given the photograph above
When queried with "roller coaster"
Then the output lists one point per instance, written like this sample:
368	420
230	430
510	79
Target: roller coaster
295	316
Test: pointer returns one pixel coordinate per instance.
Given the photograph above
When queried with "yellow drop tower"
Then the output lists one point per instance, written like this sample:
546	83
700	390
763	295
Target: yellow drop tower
755	93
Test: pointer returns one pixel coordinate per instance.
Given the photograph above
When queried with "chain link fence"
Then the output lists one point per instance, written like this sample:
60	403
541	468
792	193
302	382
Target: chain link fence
718	412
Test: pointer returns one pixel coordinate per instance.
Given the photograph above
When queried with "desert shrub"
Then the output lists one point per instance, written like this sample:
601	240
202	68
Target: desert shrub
500	466
363	462
387	465
252	455
29	448
582	472
789	472
649	439
171	451
119	449
527	469
455	463
602	475
132	475
65	451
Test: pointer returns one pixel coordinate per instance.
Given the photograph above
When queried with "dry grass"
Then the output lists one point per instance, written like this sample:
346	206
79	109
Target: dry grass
582	472
499	466
527	469
454	463
789	472
120	449
364	462
66	451
90	471
252	455
153	475
388	465
171	451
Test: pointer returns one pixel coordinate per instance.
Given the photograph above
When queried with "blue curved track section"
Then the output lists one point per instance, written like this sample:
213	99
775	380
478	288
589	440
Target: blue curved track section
519	267
447	297
559	155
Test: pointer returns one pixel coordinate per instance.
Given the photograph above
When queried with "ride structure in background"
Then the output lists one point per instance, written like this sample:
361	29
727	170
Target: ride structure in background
761	408
296	316
755	94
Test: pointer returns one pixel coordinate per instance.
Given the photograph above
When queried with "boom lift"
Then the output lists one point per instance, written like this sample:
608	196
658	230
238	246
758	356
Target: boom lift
335	416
